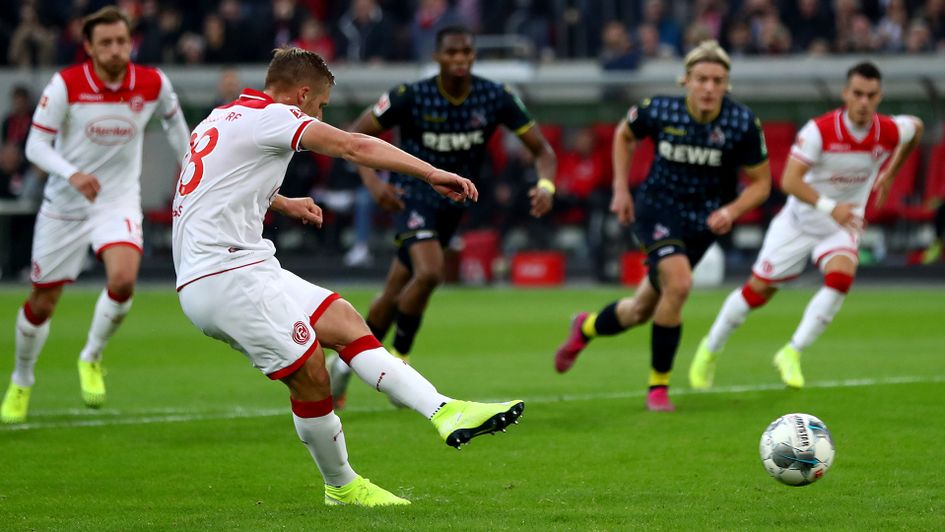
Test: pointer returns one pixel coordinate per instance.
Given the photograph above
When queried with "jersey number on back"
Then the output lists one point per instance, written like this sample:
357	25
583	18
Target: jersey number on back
195	158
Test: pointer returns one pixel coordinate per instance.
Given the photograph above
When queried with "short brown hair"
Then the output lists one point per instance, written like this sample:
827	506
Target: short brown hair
291	66
106	15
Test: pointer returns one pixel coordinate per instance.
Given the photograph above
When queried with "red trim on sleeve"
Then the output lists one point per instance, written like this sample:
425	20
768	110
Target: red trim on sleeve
359	346
99	251
298	134
49	130
310	409
293	367
322	308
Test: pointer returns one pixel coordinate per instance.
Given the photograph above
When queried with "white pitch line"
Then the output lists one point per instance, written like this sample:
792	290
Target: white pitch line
183	415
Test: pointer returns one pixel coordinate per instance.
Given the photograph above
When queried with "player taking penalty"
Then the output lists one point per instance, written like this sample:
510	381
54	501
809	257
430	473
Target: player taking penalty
834	162
689	198
233	289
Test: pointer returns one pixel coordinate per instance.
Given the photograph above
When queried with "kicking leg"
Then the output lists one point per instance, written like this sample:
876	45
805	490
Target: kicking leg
342	329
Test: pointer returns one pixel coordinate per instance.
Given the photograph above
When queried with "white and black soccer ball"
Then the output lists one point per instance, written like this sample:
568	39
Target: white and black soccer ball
797	449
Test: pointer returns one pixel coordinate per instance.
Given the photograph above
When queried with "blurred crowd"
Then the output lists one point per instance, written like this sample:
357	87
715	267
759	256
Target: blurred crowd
622	33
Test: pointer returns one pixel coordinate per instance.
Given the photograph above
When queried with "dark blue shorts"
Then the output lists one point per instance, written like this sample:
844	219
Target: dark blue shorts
422	221
662	236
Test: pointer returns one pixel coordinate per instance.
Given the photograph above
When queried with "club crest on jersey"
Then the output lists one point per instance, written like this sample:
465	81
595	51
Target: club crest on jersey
717	137
382	105
136	103
300	333
660	232
878	152
477	118
415	220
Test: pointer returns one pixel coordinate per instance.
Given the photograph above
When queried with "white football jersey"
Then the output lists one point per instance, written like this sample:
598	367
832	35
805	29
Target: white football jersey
97	130
237	161
843	167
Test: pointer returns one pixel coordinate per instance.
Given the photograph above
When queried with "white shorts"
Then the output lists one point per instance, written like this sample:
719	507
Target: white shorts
60	243
787	248
261	310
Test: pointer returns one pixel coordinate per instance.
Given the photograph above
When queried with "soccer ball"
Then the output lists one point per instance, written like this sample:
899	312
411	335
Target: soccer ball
796	449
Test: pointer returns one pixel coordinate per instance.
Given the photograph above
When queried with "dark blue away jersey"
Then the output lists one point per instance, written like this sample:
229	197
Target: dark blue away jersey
448	133
695	168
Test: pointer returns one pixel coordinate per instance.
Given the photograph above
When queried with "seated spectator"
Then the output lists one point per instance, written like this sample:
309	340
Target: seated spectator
651	46
617	51
933	14
739	40
859	38
918	38
809	21
31	44
312	37
364	34
16	125
219	46
654	12
18	181
583	193
431	17
891	29
228	89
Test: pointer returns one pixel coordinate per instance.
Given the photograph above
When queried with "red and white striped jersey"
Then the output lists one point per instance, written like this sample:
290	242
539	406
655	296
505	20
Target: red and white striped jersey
842	166
97	130
237	161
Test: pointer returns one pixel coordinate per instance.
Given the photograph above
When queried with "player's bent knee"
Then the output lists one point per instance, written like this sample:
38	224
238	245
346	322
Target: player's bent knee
839	281
429	277
677	287
754	298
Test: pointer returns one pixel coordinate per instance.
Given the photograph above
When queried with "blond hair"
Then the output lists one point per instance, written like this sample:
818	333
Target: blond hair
708	51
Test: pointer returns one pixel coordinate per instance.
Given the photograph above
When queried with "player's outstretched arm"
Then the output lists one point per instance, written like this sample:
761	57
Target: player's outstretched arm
303	209
754	194
622	153
886	177
372	152
542	194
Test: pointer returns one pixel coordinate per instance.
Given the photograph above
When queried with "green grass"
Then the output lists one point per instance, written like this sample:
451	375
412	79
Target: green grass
193	438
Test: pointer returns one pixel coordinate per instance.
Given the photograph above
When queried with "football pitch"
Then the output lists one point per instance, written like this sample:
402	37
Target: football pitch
193	438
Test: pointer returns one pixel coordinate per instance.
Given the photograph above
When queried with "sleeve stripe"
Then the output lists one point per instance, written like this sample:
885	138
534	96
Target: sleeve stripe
801	158
46	129
297	138
525	128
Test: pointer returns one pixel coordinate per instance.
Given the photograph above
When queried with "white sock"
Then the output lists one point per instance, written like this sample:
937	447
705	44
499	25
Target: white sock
325	441
388	374
29	342
733	314
817	316
105	321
